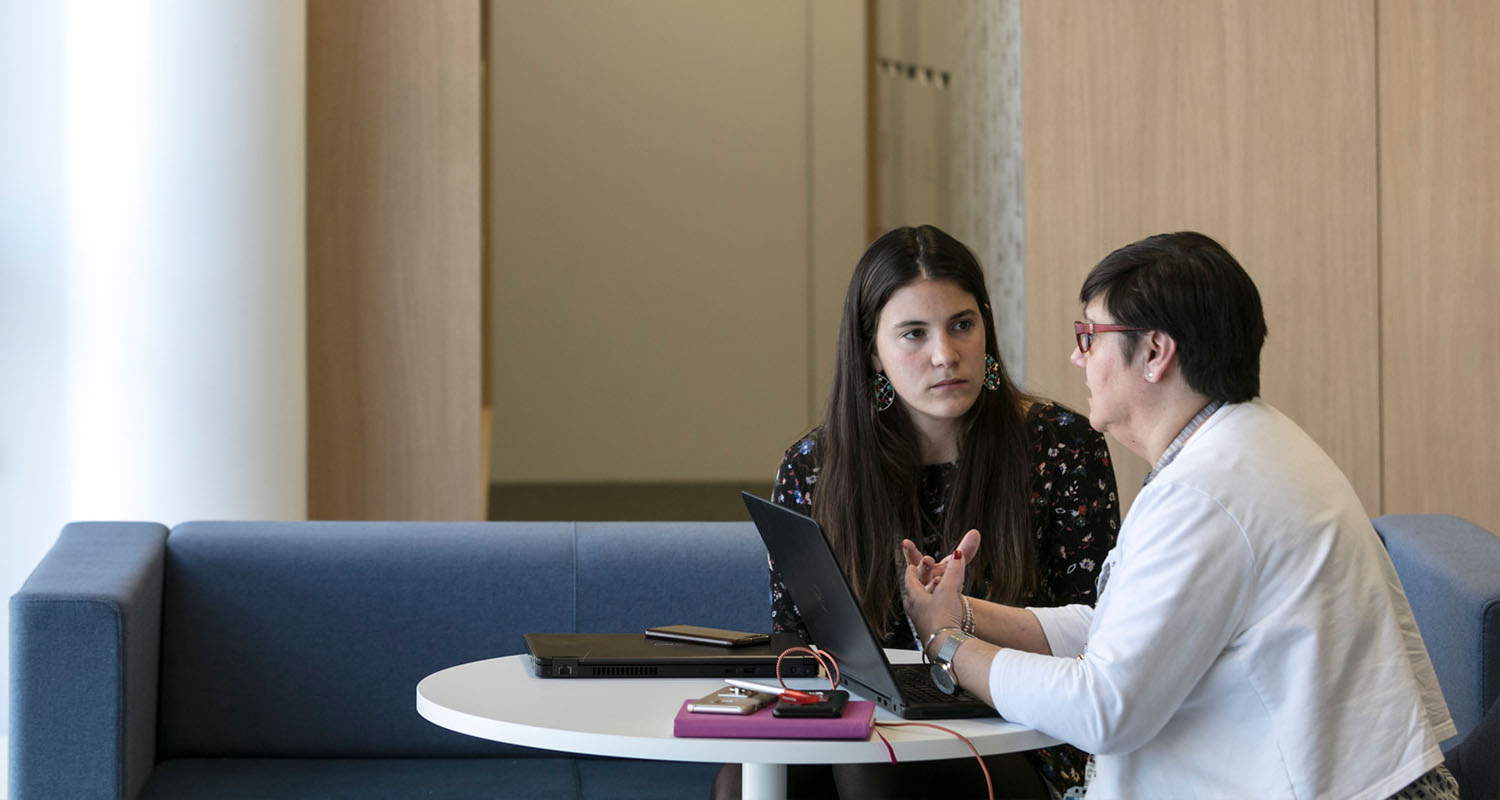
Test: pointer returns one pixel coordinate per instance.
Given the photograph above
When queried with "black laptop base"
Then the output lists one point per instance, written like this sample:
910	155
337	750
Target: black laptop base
820	590
634	655
926	701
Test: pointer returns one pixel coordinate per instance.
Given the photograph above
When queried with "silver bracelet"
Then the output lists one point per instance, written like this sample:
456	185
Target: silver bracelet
967	626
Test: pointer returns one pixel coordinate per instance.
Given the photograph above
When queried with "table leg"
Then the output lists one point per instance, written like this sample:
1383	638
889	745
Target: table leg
763	782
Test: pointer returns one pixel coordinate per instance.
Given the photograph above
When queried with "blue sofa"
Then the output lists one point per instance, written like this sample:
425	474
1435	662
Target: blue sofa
1450	569
280	660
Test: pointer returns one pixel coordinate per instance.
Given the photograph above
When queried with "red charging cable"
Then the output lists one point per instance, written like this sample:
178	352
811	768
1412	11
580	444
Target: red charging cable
831	668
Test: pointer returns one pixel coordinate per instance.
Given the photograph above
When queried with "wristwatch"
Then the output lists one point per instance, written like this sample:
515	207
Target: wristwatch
942	664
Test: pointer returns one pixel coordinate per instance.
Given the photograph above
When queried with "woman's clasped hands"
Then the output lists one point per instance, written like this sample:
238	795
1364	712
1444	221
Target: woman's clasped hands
931	589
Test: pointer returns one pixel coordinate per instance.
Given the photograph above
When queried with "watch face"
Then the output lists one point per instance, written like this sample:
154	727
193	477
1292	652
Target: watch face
942	678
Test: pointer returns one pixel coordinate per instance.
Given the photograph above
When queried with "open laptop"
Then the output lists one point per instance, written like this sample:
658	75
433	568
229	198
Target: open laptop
634	655
821	591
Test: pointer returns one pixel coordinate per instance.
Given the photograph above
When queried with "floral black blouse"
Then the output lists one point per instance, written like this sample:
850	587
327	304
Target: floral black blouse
1075	518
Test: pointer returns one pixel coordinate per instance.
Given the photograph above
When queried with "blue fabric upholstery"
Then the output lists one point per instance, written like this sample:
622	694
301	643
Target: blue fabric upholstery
257	659
1450	569
335	623
450	778
85	631
363	779
287	654
621	779
700	573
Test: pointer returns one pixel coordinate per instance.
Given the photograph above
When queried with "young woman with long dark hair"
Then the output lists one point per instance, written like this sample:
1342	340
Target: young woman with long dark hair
925	437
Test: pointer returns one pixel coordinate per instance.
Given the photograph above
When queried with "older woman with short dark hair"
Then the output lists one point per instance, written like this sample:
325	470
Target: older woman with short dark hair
1251	638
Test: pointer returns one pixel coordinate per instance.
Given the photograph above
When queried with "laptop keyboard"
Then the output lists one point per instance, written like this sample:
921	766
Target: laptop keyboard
917	687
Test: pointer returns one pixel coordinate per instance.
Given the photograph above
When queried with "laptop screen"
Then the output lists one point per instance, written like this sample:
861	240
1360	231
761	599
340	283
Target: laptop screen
818	586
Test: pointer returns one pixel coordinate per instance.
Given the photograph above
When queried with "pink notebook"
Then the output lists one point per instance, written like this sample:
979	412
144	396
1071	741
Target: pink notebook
854	724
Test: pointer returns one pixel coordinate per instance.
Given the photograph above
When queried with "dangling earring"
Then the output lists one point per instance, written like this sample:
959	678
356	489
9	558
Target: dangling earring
885	393
991	372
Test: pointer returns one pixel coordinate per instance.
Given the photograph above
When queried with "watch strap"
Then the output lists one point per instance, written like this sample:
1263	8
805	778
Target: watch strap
950	646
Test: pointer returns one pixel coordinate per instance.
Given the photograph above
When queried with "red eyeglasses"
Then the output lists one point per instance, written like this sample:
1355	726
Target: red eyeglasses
1084	332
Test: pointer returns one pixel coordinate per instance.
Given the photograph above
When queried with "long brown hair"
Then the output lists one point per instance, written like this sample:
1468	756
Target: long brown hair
867	493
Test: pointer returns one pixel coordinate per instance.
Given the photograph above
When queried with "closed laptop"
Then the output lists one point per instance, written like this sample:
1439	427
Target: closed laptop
634	655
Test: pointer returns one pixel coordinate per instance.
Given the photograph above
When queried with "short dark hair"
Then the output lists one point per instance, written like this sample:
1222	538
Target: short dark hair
1189	287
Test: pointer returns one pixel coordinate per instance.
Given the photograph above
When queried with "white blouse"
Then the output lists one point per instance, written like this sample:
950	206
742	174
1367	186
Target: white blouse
1252	639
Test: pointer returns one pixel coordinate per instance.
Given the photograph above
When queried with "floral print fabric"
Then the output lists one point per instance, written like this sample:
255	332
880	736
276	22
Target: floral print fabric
1075	519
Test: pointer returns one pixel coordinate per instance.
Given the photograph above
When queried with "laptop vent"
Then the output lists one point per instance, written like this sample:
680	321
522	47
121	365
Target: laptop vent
622	672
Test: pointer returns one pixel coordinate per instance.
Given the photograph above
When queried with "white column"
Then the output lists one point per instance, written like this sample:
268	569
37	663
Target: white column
151	268
31	302
185	335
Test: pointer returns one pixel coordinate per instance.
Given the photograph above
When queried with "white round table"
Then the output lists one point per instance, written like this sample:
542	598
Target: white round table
499	699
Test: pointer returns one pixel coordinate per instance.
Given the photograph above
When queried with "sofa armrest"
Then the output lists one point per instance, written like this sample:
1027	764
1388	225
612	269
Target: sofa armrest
1450	569
85	642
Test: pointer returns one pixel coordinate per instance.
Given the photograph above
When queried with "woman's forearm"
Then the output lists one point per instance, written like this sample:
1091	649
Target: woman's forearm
1009	626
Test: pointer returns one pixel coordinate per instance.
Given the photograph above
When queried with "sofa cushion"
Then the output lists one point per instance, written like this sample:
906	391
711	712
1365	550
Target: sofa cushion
308	639
449	778
363	779
625	779
633	575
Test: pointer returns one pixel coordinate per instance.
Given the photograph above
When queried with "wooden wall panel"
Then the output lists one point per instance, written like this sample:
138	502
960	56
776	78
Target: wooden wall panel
393	301
1251	121
1440	255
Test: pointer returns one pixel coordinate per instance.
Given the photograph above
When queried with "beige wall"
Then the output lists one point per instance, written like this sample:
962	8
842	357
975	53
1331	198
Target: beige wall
677	195
1359	191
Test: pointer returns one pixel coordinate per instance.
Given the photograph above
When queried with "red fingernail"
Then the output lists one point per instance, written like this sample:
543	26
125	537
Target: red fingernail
958	555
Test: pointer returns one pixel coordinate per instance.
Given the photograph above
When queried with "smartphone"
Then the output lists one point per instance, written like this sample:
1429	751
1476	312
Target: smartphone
701	635
731	700
832	705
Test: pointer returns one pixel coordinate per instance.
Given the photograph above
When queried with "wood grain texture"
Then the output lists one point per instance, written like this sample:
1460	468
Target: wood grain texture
394	170
1251	121
1440	255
